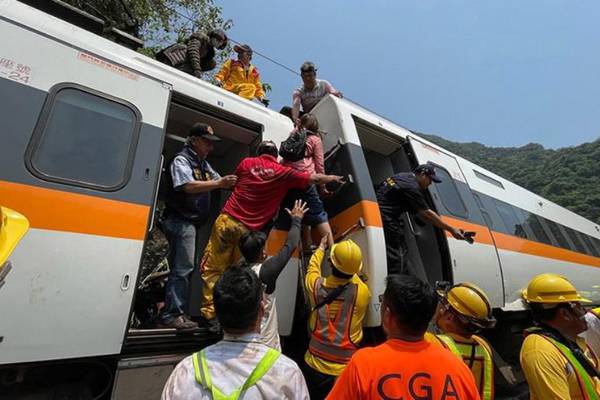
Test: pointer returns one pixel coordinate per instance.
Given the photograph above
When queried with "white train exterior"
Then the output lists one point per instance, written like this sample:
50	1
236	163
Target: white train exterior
71	290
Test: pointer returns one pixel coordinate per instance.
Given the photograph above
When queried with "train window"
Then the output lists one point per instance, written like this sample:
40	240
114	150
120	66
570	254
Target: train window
596	243
84	138
558	235
587	240
488	179
486	215
510	219
573	234
535	223
449	194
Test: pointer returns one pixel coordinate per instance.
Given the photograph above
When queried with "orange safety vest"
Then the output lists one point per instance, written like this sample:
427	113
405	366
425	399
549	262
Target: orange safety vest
330	339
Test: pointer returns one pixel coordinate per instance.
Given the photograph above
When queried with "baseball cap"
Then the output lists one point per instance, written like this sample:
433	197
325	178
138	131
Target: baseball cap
429	170
201	130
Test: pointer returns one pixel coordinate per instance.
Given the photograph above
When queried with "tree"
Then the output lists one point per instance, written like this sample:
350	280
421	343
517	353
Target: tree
159	23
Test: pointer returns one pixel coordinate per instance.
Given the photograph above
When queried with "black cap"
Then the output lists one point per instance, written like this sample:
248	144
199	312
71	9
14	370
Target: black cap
429	170
201	130
308	66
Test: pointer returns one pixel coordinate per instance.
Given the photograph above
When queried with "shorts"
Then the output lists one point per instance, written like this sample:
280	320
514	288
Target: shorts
315	215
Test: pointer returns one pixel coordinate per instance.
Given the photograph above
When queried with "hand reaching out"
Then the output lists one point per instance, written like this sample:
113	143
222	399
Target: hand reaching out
299	209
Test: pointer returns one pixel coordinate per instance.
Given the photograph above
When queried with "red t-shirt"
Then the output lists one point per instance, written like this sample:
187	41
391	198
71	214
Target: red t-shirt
405	370
262	184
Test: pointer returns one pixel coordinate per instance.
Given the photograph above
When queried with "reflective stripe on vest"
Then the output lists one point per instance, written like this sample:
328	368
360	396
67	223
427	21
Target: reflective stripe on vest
203	375
481	351
330	340
586	384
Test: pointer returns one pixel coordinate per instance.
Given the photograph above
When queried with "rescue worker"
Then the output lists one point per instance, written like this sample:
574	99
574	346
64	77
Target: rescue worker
338	306
404	192
262	184
190	181
197	54
241	77
252	247
592	334
463	311
405	366
310	93
240	365
13	226
556	362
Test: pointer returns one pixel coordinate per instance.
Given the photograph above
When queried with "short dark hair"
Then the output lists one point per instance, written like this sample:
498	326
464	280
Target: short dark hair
252	244
308	66
237	296
411	300
267	147
310	122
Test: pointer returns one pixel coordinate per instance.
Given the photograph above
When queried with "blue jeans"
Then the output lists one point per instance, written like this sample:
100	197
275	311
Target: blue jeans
181	235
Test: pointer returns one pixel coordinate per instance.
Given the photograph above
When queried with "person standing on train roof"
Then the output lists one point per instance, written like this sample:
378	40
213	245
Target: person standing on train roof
556	362
463	311
262	184
190	181
405	366
252	247
338	304
241	77
311	92
404	192
240	366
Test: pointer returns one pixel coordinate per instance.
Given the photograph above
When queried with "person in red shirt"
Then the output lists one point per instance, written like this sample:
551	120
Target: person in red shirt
261	186
405	366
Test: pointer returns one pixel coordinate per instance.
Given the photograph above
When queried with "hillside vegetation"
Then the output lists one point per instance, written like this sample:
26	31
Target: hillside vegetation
569	176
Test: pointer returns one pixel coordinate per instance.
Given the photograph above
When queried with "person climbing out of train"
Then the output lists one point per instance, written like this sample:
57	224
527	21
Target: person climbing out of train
310	93
197	54
252	247
338	306
303	151
556	362
592	333
463	311
262	184
404	192
405	366
240	365
190	181
241	76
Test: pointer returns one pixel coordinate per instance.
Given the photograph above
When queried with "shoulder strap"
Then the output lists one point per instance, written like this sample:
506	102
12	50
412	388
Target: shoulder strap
448	342
263	366
331	296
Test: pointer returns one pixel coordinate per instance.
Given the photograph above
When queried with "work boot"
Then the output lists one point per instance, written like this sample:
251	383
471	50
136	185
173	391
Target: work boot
181	323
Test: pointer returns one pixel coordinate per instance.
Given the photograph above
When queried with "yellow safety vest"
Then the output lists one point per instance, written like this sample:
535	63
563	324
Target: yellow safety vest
481	351
203	375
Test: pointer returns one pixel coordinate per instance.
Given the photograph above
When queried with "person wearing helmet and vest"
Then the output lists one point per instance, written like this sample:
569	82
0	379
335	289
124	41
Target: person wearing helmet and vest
241	76
463	311
556	362
339	304
240	365
592	333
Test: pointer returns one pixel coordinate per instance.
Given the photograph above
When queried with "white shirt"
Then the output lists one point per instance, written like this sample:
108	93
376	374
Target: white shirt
230	362
592	334
269	329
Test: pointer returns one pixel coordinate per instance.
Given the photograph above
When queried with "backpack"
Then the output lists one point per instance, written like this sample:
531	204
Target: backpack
294	147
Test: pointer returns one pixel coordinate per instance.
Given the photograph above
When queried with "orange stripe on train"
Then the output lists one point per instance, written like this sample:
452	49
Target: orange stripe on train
72	212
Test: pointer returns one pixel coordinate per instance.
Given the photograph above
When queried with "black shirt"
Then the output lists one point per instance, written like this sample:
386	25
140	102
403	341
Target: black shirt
401	193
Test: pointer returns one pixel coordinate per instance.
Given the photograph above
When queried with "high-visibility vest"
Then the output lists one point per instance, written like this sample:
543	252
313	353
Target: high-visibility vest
330	339
469	353
586	383
203	375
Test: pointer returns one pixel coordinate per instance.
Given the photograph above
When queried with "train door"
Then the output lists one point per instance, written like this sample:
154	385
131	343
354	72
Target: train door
80	156
454	201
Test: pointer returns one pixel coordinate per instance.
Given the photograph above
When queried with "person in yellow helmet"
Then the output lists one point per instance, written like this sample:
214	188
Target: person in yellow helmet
13	227
338	306
556	362
241	77
464	310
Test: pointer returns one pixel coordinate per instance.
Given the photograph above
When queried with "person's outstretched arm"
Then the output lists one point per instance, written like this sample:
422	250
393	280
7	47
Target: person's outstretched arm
272	267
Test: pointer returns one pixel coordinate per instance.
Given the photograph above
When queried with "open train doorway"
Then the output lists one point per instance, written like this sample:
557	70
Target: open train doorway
238	138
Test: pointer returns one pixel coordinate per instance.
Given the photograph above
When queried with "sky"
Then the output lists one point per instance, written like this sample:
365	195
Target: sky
503	72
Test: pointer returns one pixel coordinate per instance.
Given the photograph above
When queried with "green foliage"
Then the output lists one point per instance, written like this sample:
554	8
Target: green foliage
159	23
569	176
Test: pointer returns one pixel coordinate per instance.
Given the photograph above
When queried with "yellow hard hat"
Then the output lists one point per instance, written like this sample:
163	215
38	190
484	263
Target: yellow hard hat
346	257
12	228
470	301
552	289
